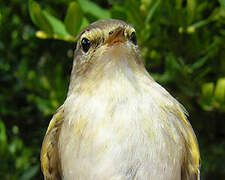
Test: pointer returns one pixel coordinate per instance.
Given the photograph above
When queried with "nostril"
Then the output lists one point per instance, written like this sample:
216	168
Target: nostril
117	29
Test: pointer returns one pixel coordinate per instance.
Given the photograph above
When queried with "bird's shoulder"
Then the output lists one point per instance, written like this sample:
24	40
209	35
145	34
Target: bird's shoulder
191	156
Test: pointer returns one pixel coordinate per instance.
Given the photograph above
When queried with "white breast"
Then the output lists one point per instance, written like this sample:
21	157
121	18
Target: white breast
121	131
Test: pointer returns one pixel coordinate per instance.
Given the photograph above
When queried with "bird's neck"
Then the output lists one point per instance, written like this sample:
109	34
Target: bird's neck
112	77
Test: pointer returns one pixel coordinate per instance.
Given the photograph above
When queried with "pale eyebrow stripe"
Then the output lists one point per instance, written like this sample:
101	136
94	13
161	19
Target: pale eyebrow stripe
92	28
87	31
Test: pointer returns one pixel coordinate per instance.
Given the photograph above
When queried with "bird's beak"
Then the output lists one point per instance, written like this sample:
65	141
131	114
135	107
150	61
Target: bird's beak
116	36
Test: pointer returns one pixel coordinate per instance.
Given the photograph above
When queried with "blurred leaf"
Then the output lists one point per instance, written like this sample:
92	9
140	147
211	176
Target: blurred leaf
73	19
199	63
207	96
134	17
192	28
118	12
179	4
43	35
15	130
191	6
152	11
39	18
3	138
93	9
44	82
57	25
51	27
207	90
222	3
172	63
44	106
220	90
84	23
32	7
15	146
217	14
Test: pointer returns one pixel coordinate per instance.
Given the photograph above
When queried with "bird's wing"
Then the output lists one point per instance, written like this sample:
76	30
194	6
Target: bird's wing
49	153
191	162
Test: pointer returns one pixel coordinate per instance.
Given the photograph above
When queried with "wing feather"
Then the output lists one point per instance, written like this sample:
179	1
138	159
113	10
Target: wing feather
49	153
191	159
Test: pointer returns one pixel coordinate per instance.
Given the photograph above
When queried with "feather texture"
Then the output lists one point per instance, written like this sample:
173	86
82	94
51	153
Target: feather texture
50	162
117	123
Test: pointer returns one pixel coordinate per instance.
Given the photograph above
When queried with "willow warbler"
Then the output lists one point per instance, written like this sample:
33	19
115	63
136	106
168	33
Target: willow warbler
117	123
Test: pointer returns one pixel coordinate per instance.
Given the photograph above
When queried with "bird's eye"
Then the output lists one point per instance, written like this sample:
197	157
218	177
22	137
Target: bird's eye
86	44
133	38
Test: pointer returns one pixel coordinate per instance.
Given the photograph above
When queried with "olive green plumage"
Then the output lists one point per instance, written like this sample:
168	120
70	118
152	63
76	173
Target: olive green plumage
117	122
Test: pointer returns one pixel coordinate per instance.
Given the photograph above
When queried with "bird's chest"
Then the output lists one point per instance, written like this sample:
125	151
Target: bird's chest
118	138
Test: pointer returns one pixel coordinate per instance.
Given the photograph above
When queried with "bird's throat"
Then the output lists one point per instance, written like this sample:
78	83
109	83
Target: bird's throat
113	66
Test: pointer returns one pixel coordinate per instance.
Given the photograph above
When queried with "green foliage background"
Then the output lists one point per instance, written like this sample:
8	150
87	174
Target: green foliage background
182	43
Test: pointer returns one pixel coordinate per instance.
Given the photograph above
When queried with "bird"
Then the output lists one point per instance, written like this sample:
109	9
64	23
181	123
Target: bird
117	122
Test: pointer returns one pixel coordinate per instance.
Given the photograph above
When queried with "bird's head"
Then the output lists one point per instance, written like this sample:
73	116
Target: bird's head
103	48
